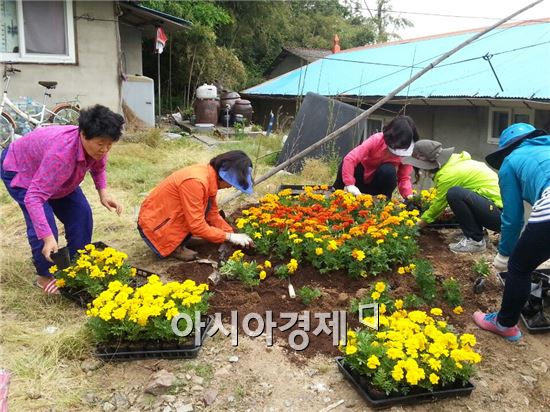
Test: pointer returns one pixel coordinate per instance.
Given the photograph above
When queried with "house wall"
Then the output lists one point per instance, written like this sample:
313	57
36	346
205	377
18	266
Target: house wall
291	62
130	42
94	77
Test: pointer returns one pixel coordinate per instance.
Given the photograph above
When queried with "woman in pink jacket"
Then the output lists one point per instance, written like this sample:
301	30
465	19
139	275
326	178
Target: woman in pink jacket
374	167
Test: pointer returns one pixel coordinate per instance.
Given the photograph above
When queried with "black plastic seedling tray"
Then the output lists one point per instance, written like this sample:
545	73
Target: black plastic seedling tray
82	297
533	313
376	401
154	350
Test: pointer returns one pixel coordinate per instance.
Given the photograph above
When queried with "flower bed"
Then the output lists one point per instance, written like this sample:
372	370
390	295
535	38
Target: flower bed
361	234
140	320
412	353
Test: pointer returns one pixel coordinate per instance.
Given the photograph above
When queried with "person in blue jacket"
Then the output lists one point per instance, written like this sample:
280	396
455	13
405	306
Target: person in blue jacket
523	160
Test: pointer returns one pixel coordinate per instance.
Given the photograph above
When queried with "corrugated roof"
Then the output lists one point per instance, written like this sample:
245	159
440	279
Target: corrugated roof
520	55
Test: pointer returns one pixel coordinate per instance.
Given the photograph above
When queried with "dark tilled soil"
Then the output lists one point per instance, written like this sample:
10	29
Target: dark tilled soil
337	291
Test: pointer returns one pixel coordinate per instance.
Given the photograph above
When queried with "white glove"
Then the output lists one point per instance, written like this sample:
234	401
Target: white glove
354	190
501	262
240	239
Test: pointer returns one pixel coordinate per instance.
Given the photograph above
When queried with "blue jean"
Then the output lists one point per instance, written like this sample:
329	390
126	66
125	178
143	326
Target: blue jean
72	210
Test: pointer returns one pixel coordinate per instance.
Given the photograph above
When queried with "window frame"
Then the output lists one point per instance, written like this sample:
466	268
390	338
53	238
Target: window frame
24	57
512	112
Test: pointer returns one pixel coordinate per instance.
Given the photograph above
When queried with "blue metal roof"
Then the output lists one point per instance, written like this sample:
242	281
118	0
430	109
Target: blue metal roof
520	57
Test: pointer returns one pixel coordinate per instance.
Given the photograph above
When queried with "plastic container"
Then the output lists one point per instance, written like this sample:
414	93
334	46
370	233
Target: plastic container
154	350
376	401
206	91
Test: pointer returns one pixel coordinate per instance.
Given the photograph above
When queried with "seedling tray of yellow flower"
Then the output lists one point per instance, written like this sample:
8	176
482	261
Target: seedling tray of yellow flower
127	351
378	399
93	268
297	189
535	315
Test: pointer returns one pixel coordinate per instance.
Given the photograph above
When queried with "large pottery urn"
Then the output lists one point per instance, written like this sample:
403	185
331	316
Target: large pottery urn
207	110
228	98
243	107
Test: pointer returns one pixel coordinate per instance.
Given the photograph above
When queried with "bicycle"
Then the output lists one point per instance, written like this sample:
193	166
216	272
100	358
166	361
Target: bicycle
63	113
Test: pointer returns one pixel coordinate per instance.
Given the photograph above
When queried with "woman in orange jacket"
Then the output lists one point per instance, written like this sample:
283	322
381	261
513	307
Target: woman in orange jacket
184	205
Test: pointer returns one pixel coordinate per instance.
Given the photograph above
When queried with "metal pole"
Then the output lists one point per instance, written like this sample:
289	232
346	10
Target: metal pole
158	87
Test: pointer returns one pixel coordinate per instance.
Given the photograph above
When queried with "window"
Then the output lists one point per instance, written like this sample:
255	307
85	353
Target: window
501	118
37	31
375	125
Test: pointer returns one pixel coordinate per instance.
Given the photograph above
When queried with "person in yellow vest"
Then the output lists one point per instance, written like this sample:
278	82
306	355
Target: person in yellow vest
470	188
184	205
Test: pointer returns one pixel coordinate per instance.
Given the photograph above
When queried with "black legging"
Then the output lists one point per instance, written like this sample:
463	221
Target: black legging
532	249
473	212
384	180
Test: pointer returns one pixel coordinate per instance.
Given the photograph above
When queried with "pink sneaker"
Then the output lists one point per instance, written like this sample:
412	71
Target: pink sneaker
489	322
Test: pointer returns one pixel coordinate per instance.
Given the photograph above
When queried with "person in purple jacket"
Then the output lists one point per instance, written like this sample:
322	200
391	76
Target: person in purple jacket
375	166
43	171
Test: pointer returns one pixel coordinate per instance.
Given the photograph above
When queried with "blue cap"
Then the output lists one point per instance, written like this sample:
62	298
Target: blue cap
230	176
510	138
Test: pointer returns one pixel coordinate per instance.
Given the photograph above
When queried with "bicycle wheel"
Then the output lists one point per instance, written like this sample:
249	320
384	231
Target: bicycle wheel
65	114
7	130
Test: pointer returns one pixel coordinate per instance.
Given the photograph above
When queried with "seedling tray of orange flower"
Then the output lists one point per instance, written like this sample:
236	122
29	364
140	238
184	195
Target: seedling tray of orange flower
378	399
126	351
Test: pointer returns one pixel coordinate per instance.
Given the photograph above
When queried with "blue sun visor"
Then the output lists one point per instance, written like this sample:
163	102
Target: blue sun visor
230	176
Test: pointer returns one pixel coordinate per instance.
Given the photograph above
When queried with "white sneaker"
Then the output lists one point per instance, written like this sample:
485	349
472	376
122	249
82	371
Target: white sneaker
467	245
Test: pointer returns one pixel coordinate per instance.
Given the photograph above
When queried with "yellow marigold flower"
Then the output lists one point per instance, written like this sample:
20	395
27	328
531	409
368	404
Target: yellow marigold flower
380	287
401	270
434	379
263	275
332	245
379	241
412	266
398	304
358	255
436	311
298	241
441	323
52	269
267	264
351	334
395	234
269	232
458	310
257	235
435	364
60	283
397	373
382	308
318	251
351	349
468	339
292	265
375	295
373	362
309	235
